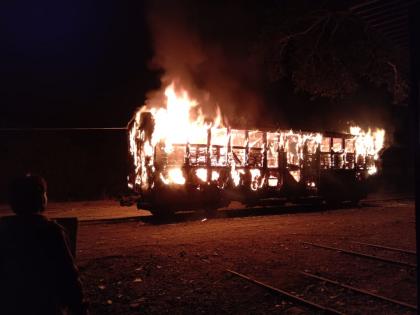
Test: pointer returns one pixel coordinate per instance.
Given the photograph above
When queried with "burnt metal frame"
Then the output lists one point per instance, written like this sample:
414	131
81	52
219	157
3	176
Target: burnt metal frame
282	164
309	166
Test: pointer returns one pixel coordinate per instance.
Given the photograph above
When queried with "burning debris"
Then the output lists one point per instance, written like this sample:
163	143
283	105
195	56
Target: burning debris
183	158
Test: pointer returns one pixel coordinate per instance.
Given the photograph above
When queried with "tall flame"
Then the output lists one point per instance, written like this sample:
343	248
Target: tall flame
181	120
368	142
181	130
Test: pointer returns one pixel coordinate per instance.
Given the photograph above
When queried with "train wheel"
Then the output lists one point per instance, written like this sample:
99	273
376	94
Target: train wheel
211	212
333	201
162	212
354	201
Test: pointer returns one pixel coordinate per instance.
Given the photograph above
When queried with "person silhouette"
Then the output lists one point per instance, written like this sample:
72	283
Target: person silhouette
37	270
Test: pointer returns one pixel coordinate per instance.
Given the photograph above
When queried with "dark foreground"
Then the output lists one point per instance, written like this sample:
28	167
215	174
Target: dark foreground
140	267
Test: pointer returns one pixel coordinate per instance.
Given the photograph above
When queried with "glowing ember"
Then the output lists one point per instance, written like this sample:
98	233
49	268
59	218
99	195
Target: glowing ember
255	177
201	174
215	175
295	175
236	175
175	176
372	170
273	182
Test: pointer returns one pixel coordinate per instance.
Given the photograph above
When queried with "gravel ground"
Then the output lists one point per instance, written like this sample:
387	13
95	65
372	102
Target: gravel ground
140	266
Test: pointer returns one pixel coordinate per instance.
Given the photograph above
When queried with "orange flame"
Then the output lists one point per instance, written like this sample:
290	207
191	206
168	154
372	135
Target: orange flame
180	123
368	143
175	176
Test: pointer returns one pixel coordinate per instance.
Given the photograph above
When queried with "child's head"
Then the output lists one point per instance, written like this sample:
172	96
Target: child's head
28	194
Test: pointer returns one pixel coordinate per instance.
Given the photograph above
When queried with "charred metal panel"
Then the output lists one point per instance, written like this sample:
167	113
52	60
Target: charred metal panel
216	165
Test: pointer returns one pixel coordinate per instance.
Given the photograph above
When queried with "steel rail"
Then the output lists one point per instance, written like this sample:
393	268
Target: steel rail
388	248
343	285
362	255
397	198
294	298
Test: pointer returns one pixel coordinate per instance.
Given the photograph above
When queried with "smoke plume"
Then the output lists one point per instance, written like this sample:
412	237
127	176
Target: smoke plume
209	49
207	57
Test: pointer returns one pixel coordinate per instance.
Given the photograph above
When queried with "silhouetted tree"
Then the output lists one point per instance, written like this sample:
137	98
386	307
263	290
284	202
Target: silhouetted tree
327	51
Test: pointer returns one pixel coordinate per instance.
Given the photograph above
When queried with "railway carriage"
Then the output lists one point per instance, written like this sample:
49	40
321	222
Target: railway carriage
214	166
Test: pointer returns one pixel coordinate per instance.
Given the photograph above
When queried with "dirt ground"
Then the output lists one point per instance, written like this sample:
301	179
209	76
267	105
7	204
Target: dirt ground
132	264
140	266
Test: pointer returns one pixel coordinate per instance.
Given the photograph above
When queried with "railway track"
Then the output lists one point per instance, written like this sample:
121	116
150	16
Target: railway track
361	291
330	292
349	252
405	251
289	296
312	302
318	281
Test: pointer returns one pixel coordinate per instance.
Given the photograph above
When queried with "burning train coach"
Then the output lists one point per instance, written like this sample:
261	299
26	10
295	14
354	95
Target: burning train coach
180	162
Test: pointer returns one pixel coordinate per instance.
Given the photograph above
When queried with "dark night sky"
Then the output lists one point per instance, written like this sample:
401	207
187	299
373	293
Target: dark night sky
64	63
87	63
